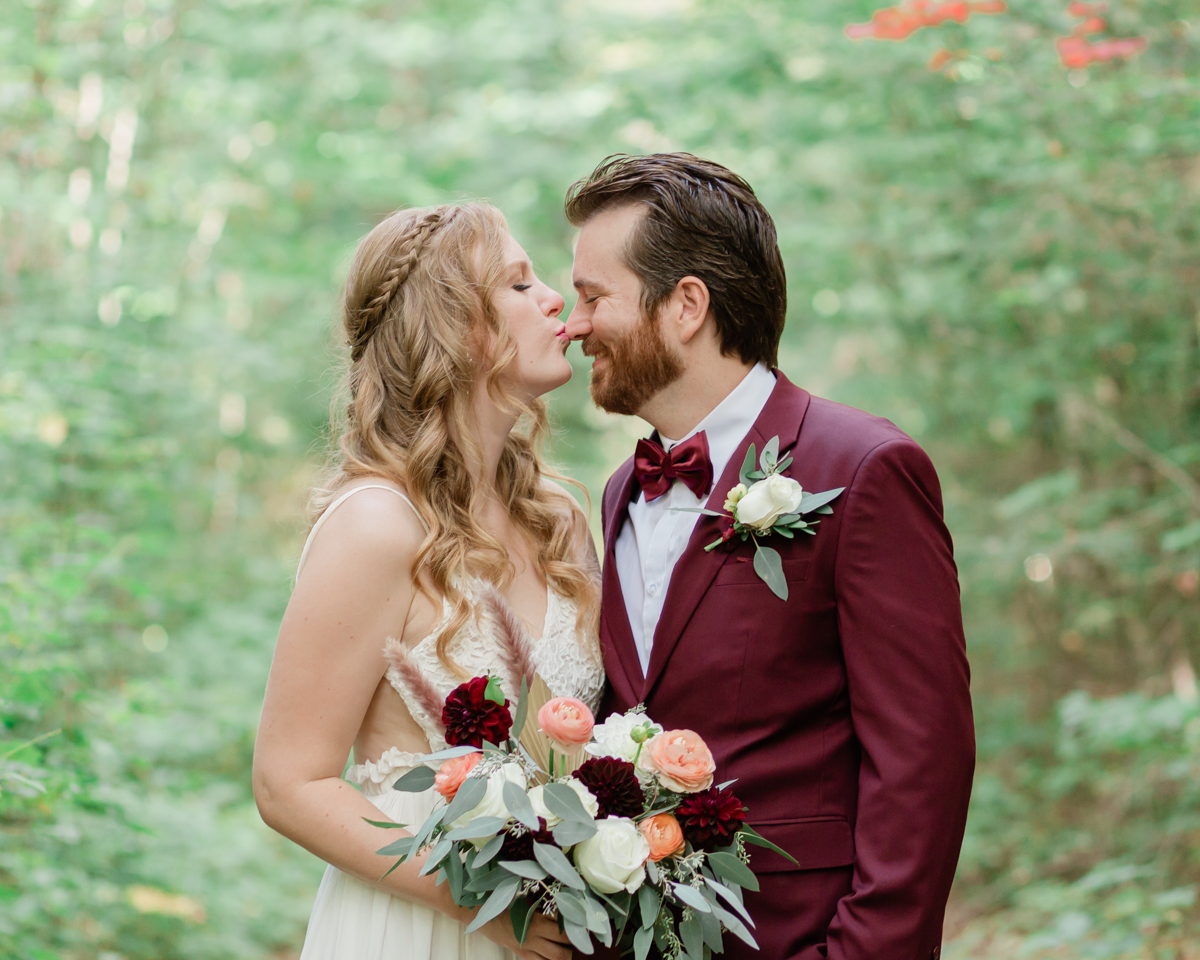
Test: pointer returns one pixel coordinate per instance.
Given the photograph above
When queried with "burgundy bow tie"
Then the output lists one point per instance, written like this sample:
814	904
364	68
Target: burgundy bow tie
656	469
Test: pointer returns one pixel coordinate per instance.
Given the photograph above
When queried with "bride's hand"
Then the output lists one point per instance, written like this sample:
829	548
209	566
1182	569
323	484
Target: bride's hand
544	941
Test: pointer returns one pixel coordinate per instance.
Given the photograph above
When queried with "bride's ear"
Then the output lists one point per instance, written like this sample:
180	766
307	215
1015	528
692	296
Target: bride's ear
689	307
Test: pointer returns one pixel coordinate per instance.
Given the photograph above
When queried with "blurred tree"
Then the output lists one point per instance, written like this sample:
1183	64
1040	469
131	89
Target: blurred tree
995	250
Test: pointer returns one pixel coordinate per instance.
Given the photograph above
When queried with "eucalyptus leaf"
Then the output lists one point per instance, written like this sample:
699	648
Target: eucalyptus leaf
570	832
753	836
397	848
529	869
769	455
643	939
597	917
735	926
747	466
711	928
812	501
730	897
417	780
564	802
453	869
769	567
692	936
489	850
468	797
496	904
555	863
783	464
570	905
518	726
730	867
649	903
488	881
579	937
439	852
517	802
477	829
521	913
448	754
691	896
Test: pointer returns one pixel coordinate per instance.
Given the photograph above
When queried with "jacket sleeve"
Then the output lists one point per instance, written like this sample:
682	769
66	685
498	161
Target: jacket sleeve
900	621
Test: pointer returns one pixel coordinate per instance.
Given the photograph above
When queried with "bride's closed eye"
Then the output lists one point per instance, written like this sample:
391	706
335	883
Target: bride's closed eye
522	287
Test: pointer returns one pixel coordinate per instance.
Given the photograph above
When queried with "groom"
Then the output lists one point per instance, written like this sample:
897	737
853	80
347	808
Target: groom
843	711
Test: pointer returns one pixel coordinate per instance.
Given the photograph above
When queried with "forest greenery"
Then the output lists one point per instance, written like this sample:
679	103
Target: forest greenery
996	252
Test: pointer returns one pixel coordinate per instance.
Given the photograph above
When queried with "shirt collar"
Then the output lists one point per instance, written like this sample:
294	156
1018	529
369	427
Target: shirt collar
731	419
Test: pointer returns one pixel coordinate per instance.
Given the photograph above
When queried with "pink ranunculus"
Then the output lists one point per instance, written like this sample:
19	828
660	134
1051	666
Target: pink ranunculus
680	760
568	722
453	772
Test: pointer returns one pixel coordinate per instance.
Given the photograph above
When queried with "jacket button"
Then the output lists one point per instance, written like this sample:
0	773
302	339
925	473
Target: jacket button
935	953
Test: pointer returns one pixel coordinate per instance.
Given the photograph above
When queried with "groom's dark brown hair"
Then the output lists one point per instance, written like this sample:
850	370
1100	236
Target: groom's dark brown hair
702	220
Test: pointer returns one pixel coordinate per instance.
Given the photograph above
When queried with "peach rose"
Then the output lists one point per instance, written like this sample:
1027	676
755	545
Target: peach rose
568	722
680	760
453	772
663	833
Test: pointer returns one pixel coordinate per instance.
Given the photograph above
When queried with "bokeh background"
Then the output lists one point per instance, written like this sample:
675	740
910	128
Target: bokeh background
991	238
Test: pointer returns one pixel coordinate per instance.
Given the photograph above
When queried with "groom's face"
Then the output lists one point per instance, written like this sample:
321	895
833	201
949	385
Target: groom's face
631	361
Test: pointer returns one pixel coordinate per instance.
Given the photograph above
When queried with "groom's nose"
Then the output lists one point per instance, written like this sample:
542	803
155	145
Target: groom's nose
577	326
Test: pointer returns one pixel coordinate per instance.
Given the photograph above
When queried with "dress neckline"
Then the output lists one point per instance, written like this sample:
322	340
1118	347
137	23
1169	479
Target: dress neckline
551	597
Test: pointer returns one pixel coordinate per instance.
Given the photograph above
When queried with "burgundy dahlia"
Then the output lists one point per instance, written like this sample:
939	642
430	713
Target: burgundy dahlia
614	784
521	847
471	718
710	819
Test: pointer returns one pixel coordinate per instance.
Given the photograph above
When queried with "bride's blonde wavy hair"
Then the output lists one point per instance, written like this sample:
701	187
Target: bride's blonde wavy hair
417	310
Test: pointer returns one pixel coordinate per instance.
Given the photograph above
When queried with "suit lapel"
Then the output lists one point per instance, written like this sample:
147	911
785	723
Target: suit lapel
694	573
614	615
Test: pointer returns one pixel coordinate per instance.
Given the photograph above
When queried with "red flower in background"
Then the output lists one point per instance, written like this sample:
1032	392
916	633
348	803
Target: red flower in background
470	717
901	21
710	819
1076	52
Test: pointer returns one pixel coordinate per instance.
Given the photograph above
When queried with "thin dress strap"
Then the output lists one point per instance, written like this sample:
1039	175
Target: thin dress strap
338	502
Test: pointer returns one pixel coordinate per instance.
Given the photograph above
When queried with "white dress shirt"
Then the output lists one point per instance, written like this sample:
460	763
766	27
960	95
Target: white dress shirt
651	543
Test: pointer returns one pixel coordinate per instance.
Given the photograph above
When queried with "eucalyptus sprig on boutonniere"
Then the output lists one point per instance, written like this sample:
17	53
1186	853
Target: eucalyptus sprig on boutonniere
765	502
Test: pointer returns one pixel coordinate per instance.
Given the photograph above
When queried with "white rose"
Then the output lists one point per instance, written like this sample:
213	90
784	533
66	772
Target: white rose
611	738
492	804
768	500
537	798
614	859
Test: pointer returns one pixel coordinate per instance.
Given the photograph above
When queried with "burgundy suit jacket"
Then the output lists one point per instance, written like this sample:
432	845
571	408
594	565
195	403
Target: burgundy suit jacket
844	712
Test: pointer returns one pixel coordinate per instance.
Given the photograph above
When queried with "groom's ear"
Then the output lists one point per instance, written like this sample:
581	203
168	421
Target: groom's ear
688	305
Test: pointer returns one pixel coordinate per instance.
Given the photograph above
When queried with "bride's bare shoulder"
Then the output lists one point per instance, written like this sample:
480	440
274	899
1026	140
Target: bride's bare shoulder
371	526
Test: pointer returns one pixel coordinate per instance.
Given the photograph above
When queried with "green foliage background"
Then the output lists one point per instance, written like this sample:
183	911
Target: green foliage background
1002	257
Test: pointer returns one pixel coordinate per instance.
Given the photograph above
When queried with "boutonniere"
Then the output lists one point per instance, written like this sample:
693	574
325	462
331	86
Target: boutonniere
766	503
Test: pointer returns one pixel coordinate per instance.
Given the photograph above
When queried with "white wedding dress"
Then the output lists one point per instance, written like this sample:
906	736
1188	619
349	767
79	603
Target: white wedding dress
352	920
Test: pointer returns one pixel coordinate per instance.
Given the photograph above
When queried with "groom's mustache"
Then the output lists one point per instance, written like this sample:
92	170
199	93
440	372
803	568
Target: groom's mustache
592	347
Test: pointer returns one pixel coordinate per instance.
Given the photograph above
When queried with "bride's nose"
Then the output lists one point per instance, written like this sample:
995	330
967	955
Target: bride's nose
554	303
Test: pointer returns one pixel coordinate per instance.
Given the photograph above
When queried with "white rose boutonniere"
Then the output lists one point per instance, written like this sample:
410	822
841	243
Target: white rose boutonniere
765	502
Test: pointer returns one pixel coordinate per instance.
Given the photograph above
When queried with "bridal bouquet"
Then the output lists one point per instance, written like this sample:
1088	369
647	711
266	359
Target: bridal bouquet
615	828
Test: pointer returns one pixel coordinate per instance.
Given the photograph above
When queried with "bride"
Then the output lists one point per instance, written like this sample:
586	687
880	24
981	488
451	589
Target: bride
437	525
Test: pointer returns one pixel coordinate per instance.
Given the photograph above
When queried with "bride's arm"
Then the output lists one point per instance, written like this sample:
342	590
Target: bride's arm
355	590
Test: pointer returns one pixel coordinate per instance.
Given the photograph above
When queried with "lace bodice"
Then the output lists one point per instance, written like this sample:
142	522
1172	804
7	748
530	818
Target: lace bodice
485	644
491	641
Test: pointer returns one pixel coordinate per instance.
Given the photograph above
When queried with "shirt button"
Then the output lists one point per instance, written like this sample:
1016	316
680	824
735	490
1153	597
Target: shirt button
652	589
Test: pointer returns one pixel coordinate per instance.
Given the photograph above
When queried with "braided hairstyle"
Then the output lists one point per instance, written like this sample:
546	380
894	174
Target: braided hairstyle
417	312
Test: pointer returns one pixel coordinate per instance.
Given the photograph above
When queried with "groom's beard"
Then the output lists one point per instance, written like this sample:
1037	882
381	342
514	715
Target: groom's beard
639	366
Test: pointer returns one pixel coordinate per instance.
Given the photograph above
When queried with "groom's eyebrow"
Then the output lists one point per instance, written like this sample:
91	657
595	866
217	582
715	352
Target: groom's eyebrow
581	284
